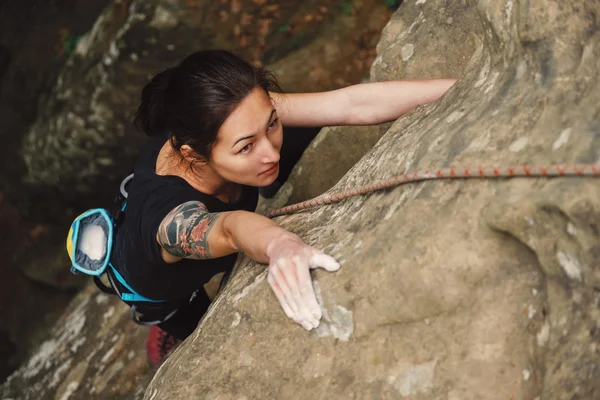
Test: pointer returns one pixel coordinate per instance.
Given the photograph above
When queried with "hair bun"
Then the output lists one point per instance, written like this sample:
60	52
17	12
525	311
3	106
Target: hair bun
149	117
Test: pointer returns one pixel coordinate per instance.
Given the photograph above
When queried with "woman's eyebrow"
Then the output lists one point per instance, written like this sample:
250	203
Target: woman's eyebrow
240	139
252	135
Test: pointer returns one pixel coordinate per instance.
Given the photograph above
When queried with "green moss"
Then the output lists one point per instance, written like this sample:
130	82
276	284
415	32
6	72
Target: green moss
393	3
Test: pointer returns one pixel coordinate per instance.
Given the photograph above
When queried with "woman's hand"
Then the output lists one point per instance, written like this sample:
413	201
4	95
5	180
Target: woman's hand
290	262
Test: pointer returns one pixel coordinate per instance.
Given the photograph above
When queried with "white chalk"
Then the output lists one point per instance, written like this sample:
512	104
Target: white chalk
93	242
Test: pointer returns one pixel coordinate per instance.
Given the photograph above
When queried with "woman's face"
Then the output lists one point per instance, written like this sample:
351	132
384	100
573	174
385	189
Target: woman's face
249	141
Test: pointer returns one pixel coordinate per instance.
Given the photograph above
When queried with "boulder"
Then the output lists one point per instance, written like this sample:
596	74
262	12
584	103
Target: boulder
36	39
94	352
460	289
413	45
27	307
82	144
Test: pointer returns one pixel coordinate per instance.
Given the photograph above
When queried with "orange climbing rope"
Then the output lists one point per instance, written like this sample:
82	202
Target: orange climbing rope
445	173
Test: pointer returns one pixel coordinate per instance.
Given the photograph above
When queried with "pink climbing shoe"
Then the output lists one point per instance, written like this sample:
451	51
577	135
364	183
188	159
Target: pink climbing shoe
160	345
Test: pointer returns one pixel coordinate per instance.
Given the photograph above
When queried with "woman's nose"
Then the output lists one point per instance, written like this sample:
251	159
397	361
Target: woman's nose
270	153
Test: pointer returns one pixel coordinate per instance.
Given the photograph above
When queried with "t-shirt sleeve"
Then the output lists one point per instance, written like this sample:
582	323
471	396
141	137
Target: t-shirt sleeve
154	209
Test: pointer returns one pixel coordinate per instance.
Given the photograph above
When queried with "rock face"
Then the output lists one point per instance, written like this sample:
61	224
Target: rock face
36	39
466	289
22	298
82	144
94	352
414	45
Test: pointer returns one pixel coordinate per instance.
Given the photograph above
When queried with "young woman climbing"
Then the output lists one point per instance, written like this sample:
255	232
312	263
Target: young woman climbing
217	127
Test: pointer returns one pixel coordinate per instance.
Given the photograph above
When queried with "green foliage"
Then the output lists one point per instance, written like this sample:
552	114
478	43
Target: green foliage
70	44
346	7
393	3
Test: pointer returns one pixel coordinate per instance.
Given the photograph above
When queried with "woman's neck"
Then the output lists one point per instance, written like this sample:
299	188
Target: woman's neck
199	176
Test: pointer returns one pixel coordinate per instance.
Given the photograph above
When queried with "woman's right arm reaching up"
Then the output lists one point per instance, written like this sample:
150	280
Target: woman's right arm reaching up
190	231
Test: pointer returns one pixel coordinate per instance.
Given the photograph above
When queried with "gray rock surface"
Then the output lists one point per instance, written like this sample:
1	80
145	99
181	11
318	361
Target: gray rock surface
413	45
93	352
36	38
82	144
467	289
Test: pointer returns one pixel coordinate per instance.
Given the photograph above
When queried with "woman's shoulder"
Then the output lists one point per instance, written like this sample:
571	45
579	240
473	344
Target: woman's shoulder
152	191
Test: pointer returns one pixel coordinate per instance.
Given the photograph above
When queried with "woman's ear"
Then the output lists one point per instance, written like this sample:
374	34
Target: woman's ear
190	155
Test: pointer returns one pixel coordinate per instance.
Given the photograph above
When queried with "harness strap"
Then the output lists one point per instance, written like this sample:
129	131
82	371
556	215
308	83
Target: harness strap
103	288
116	291
113	285
133	296
135	319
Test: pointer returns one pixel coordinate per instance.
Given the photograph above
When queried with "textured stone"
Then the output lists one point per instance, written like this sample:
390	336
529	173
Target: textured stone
94	351
36	39
480	289
414	45
466	289
82	142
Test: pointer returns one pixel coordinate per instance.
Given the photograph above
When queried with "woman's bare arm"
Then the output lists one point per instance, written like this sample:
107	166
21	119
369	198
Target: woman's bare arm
190	231
363	104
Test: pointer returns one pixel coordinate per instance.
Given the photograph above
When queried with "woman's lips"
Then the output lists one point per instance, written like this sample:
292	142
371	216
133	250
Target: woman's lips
270	170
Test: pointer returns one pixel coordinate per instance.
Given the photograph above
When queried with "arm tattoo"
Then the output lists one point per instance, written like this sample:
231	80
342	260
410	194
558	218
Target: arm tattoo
184	231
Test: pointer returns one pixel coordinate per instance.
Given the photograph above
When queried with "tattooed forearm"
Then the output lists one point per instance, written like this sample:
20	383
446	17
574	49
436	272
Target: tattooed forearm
184	231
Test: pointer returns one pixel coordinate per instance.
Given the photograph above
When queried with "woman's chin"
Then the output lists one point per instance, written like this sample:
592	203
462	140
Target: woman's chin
263	181
268	180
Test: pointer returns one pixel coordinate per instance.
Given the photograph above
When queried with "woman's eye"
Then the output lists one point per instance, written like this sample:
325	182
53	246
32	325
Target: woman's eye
245	149
274	123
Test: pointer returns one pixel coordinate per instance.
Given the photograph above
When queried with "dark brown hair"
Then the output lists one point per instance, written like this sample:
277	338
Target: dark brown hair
190	101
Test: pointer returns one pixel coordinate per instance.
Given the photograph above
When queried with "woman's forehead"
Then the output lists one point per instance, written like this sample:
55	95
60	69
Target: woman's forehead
249	117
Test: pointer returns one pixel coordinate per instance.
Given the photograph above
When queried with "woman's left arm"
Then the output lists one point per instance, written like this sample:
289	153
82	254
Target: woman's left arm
362	104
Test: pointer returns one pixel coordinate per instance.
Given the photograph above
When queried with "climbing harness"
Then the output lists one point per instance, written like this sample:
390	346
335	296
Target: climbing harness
533	171
89	244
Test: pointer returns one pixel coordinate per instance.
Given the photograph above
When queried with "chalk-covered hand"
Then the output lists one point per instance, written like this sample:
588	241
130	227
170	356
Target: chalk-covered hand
290	262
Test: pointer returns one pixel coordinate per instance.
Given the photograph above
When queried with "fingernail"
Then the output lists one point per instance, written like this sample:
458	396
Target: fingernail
327	262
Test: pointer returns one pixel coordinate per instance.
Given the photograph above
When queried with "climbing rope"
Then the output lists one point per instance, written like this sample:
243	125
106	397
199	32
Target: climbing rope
445	173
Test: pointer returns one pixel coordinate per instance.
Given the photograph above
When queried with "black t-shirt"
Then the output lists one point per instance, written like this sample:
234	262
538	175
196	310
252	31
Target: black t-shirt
137	253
